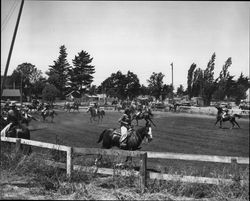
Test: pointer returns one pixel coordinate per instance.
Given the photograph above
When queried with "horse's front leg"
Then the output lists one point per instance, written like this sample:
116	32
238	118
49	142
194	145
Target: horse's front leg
237	124
220	123
216	122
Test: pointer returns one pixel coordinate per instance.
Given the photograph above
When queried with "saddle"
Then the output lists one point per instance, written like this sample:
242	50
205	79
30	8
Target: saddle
117	133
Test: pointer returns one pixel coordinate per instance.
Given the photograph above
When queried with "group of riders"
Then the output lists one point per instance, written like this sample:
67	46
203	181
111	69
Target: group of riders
14	117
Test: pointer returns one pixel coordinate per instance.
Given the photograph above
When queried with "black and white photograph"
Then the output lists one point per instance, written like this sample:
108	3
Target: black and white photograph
125	100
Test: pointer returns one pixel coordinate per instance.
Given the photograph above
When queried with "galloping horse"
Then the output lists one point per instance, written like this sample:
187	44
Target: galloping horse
7	130
26	118
146	115
229	117
111	137
93	114
48	113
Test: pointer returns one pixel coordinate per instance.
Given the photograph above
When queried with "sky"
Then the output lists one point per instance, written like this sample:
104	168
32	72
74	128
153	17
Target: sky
138	36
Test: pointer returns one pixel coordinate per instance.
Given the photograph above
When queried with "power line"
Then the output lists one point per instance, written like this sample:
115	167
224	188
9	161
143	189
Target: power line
7	17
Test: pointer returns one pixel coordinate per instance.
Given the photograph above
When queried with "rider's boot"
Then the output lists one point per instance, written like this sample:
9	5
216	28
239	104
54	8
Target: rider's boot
123	143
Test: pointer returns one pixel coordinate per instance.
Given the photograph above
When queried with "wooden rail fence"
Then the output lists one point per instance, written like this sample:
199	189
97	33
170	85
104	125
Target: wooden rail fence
143	174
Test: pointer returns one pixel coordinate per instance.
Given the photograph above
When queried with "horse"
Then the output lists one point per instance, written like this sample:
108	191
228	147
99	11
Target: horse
32	107
229	117
48	113
74	106
26	118
146	115
111	137
93	113
8	130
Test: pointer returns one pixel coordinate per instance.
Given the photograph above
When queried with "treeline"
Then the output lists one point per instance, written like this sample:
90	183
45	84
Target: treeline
63	77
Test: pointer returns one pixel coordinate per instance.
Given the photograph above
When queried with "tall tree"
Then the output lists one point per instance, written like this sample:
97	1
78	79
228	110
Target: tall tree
122	86
132	85
180	90
166	91
197	86
38	87
81	72
25	75
49	93
59	72
190	79
209	85
155	84
224	82
240	87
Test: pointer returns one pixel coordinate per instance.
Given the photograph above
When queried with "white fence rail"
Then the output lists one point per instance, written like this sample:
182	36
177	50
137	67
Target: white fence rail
143	173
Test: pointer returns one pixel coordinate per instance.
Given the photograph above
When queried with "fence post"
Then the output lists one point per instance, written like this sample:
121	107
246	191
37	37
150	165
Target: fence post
18	144
235	168
69	162
143	169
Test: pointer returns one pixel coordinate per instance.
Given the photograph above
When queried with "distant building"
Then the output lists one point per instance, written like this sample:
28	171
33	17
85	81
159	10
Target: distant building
74	96
198	101
12	94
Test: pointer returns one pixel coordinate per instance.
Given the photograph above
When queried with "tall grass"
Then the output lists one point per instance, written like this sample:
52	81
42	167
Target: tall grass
53	179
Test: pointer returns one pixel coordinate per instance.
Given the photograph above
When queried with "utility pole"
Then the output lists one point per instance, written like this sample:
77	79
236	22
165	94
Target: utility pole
172	82
21	90
11	47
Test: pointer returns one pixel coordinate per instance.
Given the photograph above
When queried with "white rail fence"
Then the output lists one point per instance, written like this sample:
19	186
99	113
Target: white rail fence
143	174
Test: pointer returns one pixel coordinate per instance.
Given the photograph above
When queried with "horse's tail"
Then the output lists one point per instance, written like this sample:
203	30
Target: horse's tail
101	136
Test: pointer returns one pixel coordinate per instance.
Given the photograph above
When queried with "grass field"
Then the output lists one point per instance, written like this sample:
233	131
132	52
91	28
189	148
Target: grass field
180	133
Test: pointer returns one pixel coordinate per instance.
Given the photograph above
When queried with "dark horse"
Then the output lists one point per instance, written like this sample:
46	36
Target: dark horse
111	137
231	118
26	118
16	132
146	115
93	114
48	113
74	106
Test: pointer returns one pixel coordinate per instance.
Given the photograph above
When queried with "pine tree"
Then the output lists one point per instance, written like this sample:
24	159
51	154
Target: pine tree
59	72
81	72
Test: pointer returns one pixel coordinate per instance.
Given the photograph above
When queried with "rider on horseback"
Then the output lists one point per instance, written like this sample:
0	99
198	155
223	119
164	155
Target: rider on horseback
125	122
96	106
13	119
225	112
46	108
